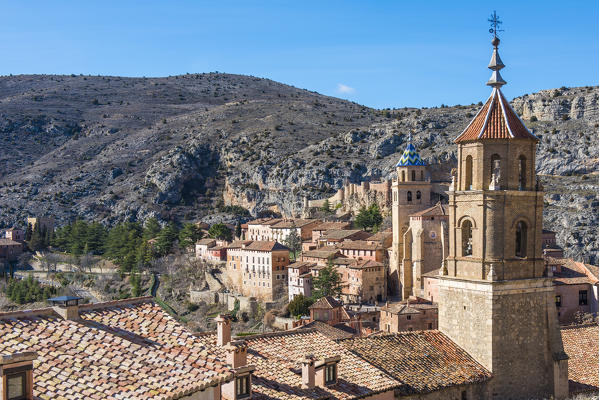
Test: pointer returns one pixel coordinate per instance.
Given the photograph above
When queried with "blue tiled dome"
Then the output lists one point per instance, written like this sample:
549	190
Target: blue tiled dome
410	157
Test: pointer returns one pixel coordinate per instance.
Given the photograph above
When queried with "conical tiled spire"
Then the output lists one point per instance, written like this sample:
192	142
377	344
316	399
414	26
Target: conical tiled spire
496	119
410	156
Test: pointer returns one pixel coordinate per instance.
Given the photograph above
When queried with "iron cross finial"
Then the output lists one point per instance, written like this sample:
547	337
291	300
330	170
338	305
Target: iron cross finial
495	23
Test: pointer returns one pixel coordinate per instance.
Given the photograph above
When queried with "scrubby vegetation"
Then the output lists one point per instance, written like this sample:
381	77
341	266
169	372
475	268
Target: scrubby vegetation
29	290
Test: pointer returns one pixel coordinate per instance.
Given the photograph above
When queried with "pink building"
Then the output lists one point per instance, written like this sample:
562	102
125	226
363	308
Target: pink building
362	249
414	314
15	234
10	250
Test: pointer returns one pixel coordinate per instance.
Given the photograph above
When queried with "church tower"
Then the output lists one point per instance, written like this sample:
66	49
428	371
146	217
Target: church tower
411	193
496	297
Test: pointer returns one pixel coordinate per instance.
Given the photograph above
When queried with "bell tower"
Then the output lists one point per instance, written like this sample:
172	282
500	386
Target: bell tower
411	193
496	297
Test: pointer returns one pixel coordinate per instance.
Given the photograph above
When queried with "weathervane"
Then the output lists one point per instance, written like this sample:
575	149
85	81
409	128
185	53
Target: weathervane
495	23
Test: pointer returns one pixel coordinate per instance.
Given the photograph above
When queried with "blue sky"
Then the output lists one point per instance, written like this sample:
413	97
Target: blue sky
377	53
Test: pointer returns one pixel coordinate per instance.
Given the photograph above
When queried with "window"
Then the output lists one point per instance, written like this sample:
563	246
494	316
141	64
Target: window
582	298
16	386
408	317
466	238
464	395
409	196
522	172
430	325
558	301
468	177
243	386
421	175
413	175
403	176
330	374
418	195
521	233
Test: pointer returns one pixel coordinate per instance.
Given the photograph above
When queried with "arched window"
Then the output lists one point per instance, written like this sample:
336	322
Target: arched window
403	176
521	233
522	172
421	175
418	195
409	195
413	175
466	238
496	165
468	181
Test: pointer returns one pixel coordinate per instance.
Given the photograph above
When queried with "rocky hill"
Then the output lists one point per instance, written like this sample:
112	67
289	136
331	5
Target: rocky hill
113	149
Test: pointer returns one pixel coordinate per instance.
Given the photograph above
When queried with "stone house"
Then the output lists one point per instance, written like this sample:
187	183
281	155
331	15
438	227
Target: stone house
335	236
303	228
321	256
300	278
384	238
413	314
14	234
362	249
46	223
363	280
257	269
10	250
575	288
550	247
260	229
321	228
202	247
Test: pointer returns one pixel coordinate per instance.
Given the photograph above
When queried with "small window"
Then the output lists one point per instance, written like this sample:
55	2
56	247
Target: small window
403	176
522	172
413	175
16	386
408	317
464	395
409	196
430	325
330	376
421	175
243	386
418	195
582	298
558	301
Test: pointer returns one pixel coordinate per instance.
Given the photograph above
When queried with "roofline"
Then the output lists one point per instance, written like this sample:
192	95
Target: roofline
472	120
482	129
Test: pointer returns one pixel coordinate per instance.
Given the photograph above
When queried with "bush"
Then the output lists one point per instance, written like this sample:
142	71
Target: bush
300	305
28	290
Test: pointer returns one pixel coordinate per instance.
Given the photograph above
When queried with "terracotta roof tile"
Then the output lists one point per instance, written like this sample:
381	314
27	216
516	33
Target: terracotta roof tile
496	120
424	360
580	343
325	226
328	330
297	222
341	234
326	302
359	245
278	369
264	245
116	350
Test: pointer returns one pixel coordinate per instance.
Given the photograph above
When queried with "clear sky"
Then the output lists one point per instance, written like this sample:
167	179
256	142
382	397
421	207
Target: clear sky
377	53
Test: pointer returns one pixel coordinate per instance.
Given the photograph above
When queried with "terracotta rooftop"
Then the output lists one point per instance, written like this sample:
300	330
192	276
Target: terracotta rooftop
9	242
323	252
436	210
127	349
301	265
359	245
289	223
573	272
380	236
329	331
206	241
265	245
424	360
238	244
496	120
325	226
409	307
580	343
356	263
278	369
326	302
264	221
341	234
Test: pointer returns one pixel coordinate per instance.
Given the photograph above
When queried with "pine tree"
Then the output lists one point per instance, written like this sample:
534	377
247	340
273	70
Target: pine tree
35	243
294	241
189	235
28	233
328	282
238	230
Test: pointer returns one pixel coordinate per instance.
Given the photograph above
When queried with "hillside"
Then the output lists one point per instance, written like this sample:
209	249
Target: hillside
113	149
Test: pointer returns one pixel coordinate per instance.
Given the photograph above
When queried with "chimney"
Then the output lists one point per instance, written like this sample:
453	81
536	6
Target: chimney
308	368
223	329
237	354
66	306
16	372
326	371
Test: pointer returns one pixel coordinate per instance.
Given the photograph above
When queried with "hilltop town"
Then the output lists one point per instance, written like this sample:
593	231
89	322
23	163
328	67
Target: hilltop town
432	272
